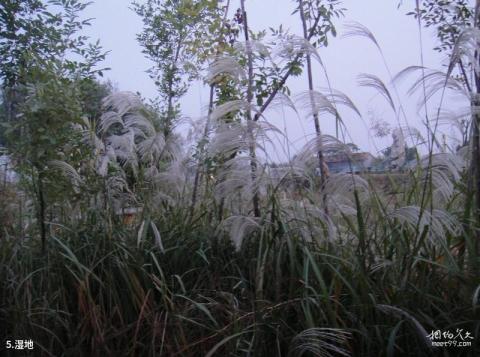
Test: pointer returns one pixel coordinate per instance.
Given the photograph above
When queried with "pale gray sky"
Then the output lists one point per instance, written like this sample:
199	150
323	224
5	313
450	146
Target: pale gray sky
116	25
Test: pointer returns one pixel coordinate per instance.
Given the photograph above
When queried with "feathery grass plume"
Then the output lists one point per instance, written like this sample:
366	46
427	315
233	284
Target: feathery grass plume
68	171
152	148
125	149
329	144
466	47
354	29
158	237
118	193
234	137
433	81
439	222
338	98
123	102
104	159
445	170
232	106
458	118
239	227
108	120
307	220
281	101
321	342
228	139
171	182
225	65
234	181
340	189
291	46
372	81
139	124
252	46
316	102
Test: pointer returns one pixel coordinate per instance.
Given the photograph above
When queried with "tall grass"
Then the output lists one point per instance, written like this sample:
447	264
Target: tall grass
360	265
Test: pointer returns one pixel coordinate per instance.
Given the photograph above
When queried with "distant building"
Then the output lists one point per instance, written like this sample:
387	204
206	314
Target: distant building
354	162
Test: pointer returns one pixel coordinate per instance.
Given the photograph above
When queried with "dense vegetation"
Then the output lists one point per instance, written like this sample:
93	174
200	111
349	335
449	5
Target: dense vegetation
119	236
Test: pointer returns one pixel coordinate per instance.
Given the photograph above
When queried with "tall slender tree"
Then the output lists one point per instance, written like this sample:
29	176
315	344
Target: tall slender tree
40	85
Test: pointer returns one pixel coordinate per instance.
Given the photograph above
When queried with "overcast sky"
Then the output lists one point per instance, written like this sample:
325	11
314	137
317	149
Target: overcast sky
116	25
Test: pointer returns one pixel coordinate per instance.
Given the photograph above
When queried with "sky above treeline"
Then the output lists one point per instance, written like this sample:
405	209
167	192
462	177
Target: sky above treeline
116	25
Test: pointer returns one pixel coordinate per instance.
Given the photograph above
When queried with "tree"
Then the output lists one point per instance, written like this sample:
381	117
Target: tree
310	12
176	38
43	60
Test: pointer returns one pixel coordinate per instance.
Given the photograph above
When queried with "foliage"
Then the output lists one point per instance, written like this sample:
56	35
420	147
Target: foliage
368	266
177	38
448	17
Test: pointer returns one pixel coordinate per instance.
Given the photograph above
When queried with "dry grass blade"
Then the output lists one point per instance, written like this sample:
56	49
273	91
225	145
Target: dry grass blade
422	333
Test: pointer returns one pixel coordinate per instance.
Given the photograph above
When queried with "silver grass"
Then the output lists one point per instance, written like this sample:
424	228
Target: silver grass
157	236
104	159
314	103
228	138
307	220
459	118
123	145
291	46
225	65
232	137
439	222
445	170
340	189
151	149
239	227
108	120
252	46
433	81
466	48
172	180
234	178
281	101
326	143
233	106
338	98
68	171
123	102
320	342
354	29
372	81
140	124
412	133
344	184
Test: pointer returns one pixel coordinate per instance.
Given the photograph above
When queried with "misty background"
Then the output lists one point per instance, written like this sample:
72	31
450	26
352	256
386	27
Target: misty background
116	25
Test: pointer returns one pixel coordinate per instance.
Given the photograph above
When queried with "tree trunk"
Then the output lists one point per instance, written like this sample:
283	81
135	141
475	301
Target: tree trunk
321	160
253	156
196	182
